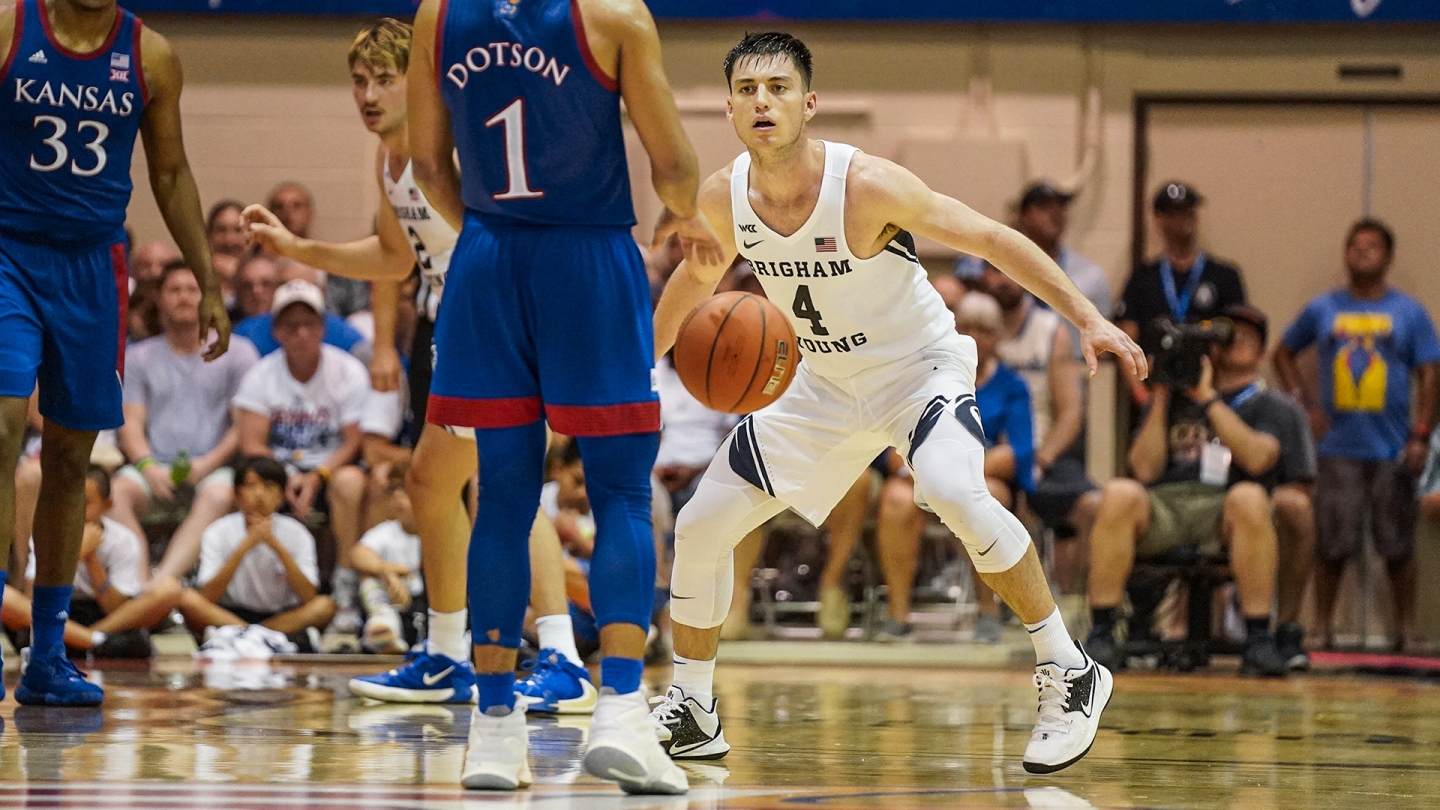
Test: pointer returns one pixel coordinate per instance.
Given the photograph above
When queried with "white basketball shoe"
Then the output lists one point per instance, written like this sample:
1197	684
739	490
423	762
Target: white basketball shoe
687	728
623	748
1071	701
498	757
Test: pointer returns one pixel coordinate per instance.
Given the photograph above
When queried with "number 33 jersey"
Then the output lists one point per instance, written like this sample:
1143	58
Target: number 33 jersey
849	314
68	123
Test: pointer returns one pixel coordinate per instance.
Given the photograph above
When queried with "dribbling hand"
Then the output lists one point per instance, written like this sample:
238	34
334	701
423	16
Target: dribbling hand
265	229
1100	336
697	240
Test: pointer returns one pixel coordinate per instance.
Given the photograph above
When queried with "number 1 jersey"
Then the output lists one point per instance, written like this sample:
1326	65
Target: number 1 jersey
68	123
536	121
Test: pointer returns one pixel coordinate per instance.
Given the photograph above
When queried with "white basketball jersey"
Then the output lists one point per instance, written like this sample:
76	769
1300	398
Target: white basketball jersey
431	237
849	314
1028	353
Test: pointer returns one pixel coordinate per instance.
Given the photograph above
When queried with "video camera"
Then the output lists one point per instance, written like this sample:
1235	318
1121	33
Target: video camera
1182	345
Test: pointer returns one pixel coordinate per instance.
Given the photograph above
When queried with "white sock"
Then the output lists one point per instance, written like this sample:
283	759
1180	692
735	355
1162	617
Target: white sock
447	635
1053	644
97	638
696	677
558	633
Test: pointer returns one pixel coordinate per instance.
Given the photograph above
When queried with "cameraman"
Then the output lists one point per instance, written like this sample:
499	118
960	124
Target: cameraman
1209	455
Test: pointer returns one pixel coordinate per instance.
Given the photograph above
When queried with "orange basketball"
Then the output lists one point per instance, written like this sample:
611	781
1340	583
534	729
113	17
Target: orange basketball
736	352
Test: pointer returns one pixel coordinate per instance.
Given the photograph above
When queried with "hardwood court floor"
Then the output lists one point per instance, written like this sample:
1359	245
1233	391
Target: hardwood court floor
289	736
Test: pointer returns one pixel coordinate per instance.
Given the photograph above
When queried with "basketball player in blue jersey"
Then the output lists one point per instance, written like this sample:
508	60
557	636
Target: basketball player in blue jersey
828	231
546	316
79	80
409	233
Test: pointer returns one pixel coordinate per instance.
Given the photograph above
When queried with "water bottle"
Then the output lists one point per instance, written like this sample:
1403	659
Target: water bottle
180	468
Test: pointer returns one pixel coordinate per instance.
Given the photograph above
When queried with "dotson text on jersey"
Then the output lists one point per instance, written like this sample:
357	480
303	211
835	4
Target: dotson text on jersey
506	55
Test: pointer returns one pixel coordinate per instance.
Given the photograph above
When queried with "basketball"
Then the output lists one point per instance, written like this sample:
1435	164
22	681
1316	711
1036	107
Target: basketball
736	353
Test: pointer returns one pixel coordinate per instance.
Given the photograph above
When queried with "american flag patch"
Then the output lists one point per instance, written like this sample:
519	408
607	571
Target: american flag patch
825	244
120	60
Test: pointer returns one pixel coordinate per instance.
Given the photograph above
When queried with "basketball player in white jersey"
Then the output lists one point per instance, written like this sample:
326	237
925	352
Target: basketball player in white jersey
410	232
828	231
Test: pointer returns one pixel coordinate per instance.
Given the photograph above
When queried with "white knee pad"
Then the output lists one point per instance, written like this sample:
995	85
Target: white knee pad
949	473
723	510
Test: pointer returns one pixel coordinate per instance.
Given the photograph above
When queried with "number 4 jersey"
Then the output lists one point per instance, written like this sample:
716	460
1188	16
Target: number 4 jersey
68	123
536	121
849	314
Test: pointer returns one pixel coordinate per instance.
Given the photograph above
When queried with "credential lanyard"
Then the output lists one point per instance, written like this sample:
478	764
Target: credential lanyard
1246	394
1180	304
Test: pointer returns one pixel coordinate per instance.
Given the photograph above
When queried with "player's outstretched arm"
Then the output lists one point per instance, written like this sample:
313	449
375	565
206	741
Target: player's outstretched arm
174	184
887	193
694	280
627	26
386	256
432	144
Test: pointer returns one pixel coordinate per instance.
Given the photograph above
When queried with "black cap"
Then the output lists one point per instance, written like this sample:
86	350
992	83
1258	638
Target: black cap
1043	192
1176	197
1244	313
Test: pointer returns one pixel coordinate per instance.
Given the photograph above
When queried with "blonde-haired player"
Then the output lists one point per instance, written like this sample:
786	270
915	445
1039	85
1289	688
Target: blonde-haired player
410	232
827	229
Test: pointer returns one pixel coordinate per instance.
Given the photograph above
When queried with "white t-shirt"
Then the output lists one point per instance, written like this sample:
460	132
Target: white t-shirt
691	432
259	583
384	412
119	554
306	419
395	545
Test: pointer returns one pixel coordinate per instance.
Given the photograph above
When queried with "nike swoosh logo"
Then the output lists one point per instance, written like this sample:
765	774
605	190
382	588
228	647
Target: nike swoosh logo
431	680
673	596
680	749
987	549
749	245
1089	703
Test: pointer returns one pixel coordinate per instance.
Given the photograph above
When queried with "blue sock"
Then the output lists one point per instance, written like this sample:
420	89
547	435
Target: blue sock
496	690
49	610
621	674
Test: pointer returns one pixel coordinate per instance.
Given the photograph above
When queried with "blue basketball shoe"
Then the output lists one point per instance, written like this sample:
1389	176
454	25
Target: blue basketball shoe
556	686
52	679
424	677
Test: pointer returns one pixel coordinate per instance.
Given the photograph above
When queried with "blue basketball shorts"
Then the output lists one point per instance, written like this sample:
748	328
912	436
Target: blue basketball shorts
548	322
63	325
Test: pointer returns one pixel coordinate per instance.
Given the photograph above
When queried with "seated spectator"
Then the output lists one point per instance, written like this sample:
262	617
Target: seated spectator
388	559
302	405
257	566
688	438
147	260
1374	343
1204	461
260	329
109	613
142	319
384	444
255	283
1005	424
226	234
177	415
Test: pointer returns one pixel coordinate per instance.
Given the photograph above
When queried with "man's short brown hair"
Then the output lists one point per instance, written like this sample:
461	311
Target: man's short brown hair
383	45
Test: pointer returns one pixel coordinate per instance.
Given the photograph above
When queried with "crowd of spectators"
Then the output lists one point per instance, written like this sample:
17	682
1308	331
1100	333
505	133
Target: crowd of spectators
269	485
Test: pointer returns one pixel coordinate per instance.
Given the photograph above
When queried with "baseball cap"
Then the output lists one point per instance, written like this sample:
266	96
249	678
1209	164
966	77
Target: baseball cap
298	291
1244	313
1175	197
1043	192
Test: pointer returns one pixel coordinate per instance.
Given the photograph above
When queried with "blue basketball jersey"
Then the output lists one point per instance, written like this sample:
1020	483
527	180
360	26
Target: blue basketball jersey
68	123
536	122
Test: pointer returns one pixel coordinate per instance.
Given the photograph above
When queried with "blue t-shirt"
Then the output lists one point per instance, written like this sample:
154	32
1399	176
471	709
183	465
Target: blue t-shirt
259	329
1004	404
1367	351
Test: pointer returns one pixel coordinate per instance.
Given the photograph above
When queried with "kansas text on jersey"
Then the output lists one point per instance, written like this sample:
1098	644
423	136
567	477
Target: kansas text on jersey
68	123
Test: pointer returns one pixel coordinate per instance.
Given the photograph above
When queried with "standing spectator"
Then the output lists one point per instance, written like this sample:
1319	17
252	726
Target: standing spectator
388	557
1374	342
259	329
226	234
255	283
302	405
147	260
107	603
256	566
1204	462
1183	282
177	415
1000	417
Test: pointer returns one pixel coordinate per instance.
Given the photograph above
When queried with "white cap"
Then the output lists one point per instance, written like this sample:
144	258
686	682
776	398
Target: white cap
298	291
